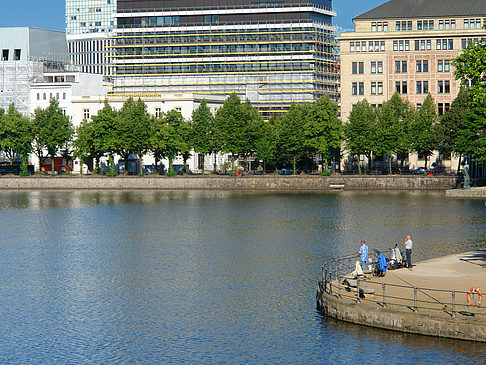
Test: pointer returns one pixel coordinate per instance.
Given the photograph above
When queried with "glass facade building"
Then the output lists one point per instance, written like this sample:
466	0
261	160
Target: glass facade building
88	22
272	53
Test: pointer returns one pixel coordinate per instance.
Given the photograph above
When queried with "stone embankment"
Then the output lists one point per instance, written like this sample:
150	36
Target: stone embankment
430	300
479	193
266	182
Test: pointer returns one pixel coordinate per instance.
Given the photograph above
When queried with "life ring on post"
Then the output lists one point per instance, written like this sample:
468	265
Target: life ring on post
471	294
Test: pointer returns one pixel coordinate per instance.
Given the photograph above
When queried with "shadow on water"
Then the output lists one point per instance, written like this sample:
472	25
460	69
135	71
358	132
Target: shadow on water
370	344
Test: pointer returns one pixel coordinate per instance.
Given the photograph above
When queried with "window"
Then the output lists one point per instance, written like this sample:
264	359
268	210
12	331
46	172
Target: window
447	87
397	86
373	67
17	54
441	24
373	88
447	65
425	66
440	87
417	45
361	67
382	46
370	46
361	88
443	107
404	87
425	87
355	88
419	66
57	96
397	66
401	45
351	46
85	114
373	27
419	25
354	68
44	96
404	66
419	105
401	87
380	67
407	45
431	25
453	24
5	55
397	26
64	96
158	112
419	87
440	66
38	96
395	45
429	45
409	25
380	88
466	23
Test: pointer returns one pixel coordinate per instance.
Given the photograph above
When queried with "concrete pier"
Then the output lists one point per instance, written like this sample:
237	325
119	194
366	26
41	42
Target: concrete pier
478	193
404	304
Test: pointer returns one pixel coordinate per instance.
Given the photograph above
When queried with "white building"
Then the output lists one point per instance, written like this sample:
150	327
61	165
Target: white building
26	54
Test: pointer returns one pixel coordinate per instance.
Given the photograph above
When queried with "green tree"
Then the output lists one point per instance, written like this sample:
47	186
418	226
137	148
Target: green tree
266	142
291	141
202	130
323	130
133	130
424	131
393	128
172	136
105	134
84	144
360	132
16	134
52	130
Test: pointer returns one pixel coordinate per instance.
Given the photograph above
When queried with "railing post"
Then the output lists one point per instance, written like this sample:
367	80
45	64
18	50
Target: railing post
357	290
415	309
330	283
453	303
384	295
339	286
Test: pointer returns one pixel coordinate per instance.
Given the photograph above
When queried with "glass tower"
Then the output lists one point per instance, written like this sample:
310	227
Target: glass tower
272	53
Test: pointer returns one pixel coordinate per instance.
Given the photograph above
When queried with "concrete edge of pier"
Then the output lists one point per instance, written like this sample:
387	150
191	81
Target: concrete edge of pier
423	323
478	193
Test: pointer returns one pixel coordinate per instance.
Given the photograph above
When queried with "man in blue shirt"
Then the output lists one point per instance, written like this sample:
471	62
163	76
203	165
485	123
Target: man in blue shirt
363	251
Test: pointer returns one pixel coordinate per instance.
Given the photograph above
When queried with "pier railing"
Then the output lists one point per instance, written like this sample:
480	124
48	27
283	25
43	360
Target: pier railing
386	295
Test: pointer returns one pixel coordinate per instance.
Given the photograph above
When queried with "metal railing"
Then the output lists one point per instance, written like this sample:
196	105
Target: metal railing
414	298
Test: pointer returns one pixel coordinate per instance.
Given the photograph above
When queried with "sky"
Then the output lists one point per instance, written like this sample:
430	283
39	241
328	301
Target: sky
49	14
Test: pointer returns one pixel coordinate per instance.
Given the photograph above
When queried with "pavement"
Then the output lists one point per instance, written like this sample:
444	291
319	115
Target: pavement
444	274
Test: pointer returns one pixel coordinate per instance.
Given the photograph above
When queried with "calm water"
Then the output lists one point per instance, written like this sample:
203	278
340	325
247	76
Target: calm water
208	277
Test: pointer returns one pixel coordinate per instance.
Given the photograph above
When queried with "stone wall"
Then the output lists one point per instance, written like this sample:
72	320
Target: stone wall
267	182
438	324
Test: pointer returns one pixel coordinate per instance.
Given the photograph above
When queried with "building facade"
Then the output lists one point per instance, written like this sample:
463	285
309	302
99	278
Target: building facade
270	53
408	46
26	54
88	23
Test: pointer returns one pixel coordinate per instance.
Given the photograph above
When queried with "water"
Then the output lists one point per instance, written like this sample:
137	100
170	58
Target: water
208	277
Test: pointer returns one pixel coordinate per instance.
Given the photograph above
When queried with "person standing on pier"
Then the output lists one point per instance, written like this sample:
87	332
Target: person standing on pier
408	251
363	251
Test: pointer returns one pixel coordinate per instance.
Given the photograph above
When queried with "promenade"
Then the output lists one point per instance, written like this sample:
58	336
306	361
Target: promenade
430	300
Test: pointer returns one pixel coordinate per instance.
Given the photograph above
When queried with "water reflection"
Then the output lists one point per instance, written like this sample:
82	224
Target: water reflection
206	276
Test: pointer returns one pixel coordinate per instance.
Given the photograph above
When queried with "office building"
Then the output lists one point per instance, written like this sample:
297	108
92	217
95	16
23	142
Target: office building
272	53
88	22
408	46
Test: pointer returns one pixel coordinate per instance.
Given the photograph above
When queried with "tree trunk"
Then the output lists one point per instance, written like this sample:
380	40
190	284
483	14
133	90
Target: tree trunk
359	164
203	155
389	164
232	162
459	164
215	162
171	160
52	165
294	167
140	167
81	163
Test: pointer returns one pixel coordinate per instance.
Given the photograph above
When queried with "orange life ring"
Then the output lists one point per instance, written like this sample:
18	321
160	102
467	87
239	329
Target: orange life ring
470	297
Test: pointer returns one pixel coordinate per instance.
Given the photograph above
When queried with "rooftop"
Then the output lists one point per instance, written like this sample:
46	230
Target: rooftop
399	9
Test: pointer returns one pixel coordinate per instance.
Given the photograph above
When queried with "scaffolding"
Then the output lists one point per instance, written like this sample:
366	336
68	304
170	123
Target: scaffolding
15	80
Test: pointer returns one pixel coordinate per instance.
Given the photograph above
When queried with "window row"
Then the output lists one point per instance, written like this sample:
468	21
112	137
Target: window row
422	87
51	96
465	42
373	46
407	25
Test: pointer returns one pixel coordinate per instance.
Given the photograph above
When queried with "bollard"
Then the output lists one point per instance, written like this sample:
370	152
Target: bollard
415	309
384	296
453	303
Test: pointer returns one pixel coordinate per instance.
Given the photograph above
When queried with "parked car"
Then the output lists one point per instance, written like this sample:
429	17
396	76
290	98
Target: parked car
418	171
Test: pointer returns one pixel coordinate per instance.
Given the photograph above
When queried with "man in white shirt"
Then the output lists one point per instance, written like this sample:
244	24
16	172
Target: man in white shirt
408	251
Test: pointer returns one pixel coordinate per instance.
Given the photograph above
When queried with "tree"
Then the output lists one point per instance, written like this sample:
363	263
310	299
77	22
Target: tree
15	134
290	139
105	134
133	130
172	136
266	142
451	130
84	144
323	130
52	130
423	127
202	130
360	132
393	128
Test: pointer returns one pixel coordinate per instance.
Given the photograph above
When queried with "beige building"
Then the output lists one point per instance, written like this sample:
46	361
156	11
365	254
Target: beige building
408	46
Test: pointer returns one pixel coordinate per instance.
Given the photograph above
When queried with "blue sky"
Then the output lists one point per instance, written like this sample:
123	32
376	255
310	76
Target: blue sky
36	13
